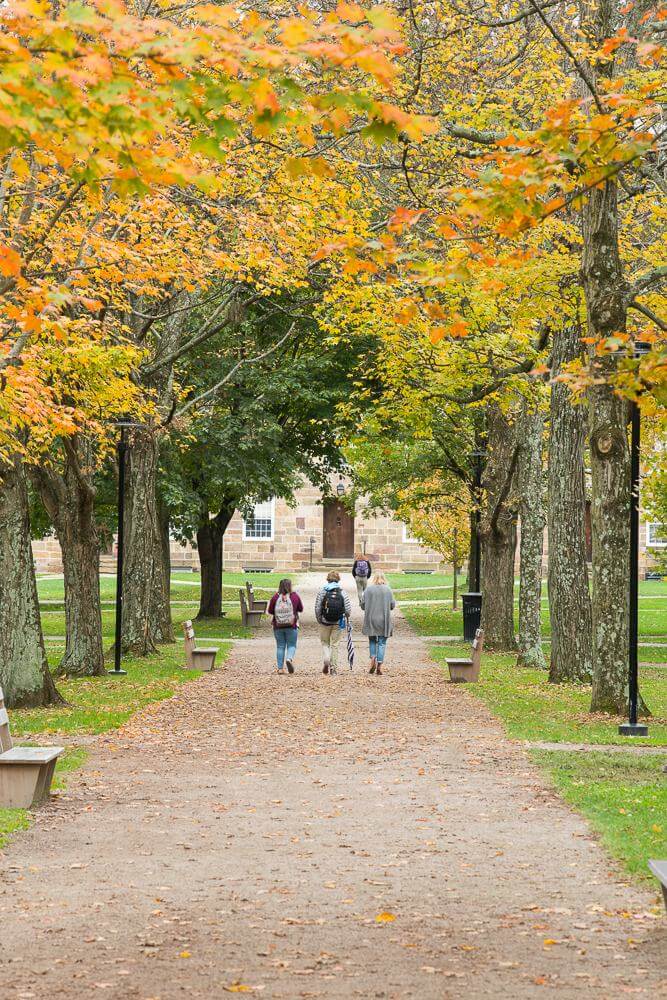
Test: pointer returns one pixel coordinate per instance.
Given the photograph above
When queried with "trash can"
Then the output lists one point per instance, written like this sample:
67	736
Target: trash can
472	615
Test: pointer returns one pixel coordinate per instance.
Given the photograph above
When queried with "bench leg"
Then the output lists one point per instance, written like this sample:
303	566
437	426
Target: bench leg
18	785
460	675
44	781
203	661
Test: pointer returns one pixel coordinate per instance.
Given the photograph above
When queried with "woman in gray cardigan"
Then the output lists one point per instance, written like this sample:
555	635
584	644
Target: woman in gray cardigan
378	603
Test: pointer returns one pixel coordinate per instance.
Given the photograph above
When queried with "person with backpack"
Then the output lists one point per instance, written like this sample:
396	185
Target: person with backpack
285	607
378	603
332	608
361	571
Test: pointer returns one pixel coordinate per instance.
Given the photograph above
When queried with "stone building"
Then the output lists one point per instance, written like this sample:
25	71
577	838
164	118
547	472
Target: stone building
310	531
306	531
325	534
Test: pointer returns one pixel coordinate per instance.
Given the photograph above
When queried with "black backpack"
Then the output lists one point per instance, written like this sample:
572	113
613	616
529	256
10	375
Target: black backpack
333	606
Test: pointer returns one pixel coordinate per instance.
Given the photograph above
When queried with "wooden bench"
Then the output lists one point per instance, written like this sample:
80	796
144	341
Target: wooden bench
253	604
659	869
26	773
258	568
468	670
197	659
248	616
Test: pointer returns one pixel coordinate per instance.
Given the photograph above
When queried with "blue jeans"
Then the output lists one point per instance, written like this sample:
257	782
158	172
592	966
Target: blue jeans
285	644
378	646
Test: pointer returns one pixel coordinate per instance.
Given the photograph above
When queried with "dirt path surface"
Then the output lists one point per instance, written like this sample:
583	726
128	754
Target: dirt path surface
248	832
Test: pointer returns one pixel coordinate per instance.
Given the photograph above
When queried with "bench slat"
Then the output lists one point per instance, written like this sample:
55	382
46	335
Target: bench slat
30	755
659	869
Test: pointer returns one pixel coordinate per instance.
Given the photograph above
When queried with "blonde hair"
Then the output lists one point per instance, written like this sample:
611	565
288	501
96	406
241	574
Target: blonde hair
333	576
379	579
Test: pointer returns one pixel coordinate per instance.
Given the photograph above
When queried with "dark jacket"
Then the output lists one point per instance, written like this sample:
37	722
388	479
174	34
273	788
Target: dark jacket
370	568
296	604
320	597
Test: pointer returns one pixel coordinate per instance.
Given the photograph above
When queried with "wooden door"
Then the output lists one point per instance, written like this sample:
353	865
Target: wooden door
338	531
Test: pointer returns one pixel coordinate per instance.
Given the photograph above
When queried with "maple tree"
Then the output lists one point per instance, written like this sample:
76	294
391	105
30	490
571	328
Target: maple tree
105	117
534	207
443	530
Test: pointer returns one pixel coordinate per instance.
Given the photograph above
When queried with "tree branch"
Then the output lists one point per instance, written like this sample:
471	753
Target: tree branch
244	361
645	282
649	314
581	69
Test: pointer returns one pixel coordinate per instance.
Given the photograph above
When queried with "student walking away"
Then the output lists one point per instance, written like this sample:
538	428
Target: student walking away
378	603
332	607
361	571
285	607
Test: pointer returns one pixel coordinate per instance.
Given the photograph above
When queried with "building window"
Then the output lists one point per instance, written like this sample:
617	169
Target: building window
656	535
259	527
408	536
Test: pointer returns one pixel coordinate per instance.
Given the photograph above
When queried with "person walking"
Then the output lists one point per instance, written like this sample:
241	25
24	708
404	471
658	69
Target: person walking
332	608
378	603
285	607
361	571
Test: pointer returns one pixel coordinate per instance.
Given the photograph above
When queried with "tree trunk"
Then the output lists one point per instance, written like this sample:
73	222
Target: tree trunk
24	672
569	594
146	607
69	498
165	535
210	537
610	459
84	652
531	512
498	532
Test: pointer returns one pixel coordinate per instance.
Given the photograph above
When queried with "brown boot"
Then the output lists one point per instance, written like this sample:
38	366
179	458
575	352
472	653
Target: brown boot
379	669
373	665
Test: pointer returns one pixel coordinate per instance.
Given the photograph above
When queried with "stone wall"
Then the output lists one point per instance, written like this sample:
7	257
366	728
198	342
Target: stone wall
381	538
46	553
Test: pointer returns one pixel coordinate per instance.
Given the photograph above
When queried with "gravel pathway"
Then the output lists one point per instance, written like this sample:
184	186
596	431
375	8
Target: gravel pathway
313	836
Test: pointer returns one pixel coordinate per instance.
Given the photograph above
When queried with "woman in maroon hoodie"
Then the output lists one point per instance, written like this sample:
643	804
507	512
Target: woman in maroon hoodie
285	607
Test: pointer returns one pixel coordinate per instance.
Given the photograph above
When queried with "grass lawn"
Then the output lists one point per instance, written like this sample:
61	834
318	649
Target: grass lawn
532	709
12	820
185	586
437	617
97	704
185	589
624	798
53	623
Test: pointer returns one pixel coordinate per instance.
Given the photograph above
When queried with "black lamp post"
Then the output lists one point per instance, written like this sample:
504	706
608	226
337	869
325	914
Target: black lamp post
479	457
121	451
472	601
632	727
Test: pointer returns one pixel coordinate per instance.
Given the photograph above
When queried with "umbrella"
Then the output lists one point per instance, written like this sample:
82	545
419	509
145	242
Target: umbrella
350	645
